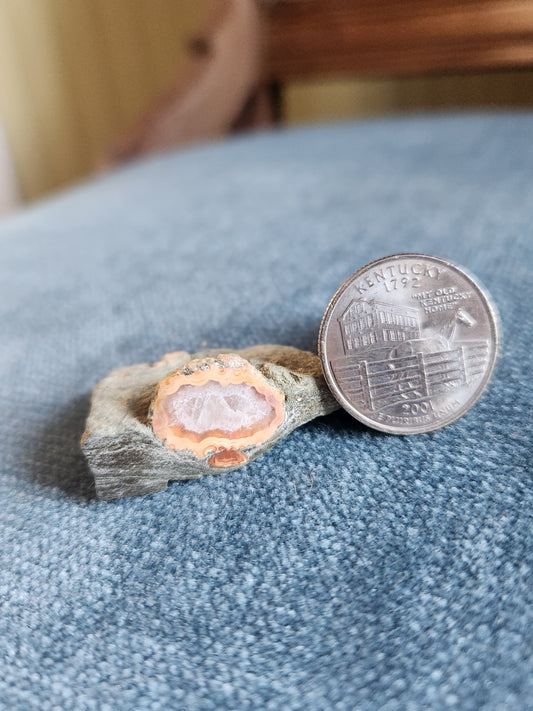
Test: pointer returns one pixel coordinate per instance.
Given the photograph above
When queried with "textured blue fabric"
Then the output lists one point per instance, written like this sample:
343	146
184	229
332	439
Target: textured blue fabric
344	569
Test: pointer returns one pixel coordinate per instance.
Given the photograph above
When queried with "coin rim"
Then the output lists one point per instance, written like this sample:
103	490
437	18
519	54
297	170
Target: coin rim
494	322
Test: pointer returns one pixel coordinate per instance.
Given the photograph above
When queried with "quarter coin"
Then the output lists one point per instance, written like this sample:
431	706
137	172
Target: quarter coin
408	343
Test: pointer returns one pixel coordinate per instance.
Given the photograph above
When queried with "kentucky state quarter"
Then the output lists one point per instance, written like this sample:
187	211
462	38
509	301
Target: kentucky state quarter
408	343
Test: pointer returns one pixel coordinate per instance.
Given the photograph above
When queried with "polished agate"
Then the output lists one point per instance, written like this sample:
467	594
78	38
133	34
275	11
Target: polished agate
218	406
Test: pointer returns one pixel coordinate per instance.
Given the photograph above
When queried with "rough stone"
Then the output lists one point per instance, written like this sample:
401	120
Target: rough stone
129	449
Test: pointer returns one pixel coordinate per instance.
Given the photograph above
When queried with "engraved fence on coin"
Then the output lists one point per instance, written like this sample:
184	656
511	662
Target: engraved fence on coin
392	381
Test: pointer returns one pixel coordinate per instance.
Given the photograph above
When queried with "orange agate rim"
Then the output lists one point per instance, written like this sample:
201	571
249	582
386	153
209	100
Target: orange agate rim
225	369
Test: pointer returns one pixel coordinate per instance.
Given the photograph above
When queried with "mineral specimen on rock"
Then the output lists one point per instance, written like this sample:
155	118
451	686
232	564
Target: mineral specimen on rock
190	415
217	405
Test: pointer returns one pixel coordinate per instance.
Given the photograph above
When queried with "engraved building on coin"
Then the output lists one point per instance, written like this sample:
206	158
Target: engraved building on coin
365	323
409	358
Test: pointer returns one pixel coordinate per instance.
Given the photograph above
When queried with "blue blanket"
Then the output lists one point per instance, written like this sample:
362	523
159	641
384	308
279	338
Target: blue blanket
345	569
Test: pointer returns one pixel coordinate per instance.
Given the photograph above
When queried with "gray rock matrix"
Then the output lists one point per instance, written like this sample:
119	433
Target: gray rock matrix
125	456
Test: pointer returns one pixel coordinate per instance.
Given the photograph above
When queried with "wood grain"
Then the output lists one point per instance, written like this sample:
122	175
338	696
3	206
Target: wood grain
216	87
75	75
312	38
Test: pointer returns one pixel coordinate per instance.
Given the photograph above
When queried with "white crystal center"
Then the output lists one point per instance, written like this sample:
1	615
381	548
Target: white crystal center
212	406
